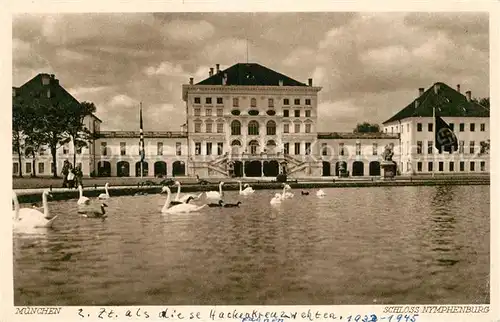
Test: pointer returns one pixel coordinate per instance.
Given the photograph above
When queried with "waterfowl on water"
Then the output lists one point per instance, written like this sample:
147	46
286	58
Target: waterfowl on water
218	204
82	200
305	193
105	195
180	208
94	211
184	198
215	195
26	218
230	205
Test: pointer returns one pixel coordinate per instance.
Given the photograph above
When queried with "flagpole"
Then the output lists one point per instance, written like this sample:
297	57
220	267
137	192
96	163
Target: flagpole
141	142
435	143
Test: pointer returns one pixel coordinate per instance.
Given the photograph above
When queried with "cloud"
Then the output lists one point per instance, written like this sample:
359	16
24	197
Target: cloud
369	65
188	31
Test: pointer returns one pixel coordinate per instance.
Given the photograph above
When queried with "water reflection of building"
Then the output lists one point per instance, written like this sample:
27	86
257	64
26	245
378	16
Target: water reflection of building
251	121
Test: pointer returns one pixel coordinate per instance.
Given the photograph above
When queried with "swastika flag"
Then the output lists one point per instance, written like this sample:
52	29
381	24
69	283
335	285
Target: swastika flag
446	140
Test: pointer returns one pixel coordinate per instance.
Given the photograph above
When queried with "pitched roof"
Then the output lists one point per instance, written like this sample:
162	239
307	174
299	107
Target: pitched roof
35	88
250	74
448	102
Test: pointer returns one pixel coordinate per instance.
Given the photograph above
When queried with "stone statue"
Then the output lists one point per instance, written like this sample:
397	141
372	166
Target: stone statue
387	155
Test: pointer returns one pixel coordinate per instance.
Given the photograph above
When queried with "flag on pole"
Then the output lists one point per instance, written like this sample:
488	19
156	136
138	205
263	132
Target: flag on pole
446	140
141	136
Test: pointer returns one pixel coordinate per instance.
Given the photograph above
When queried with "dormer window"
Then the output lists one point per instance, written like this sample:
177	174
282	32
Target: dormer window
253	102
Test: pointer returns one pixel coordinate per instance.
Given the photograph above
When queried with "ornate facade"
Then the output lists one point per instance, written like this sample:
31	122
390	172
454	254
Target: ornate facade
250	121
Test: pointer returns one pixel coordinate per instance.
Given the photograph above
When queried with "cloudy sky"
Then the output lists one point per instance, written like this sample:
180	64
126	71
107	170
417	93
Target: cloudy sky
370	65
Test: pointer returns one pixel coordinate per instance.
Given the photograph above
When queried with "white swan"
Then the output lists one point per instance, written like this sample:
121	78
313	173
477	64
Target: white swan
215	195
184	198
180	208
247	191
320	193
82	200
286	194
276	199
25	218
104	195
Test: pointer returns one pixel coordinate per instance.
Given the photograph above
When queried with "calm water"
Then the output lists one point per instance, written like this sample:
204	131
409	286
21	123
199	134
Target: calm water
355	246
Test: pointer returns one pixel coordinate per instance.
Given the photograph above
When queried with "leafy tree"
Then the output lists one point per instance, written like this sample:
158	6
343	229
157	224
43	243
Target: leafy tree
18	125
78	133
485	101
366	127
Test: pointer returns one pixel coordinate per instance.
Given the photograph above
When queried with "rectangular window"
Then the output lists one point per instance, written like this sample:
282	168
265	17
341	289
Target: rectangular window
341	149
429	147
429	166
208	100
286	101
123	148
297	148
159	148
482	127
197	111
471	147
441	165
296	101
270	102
286	113
236	102
483	166
308	127
429	127
41	167
419	147
407	127
208	112
375	148
324	149
220	112
297	128
197	127
197	148
358	148
220	127
220	146
308	101
419	166
297	113
308	148
419	127
452	166
472	127
104	150
197	100
472	166
308	113
286	128
208	127
462	166
209	148
462	127
220	100
178	148
286	148
65	149
15	168
461	145
452	126
28	167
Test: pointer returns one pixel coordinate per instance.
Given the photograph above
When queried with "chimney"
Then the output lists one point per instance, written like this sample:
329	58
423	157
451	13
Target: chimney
421	91
280	83
217	68
468	95
458	88
45	79
310	80
191	79
436	88
211	71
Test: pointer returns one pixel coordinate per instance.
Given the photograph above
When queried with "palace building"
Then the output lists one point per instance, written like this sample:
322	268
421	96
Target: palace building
251	121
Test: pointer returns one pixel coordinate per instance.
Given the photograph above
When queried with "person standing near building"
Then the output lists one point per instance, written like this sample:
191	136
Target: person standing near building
78	176
65	172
